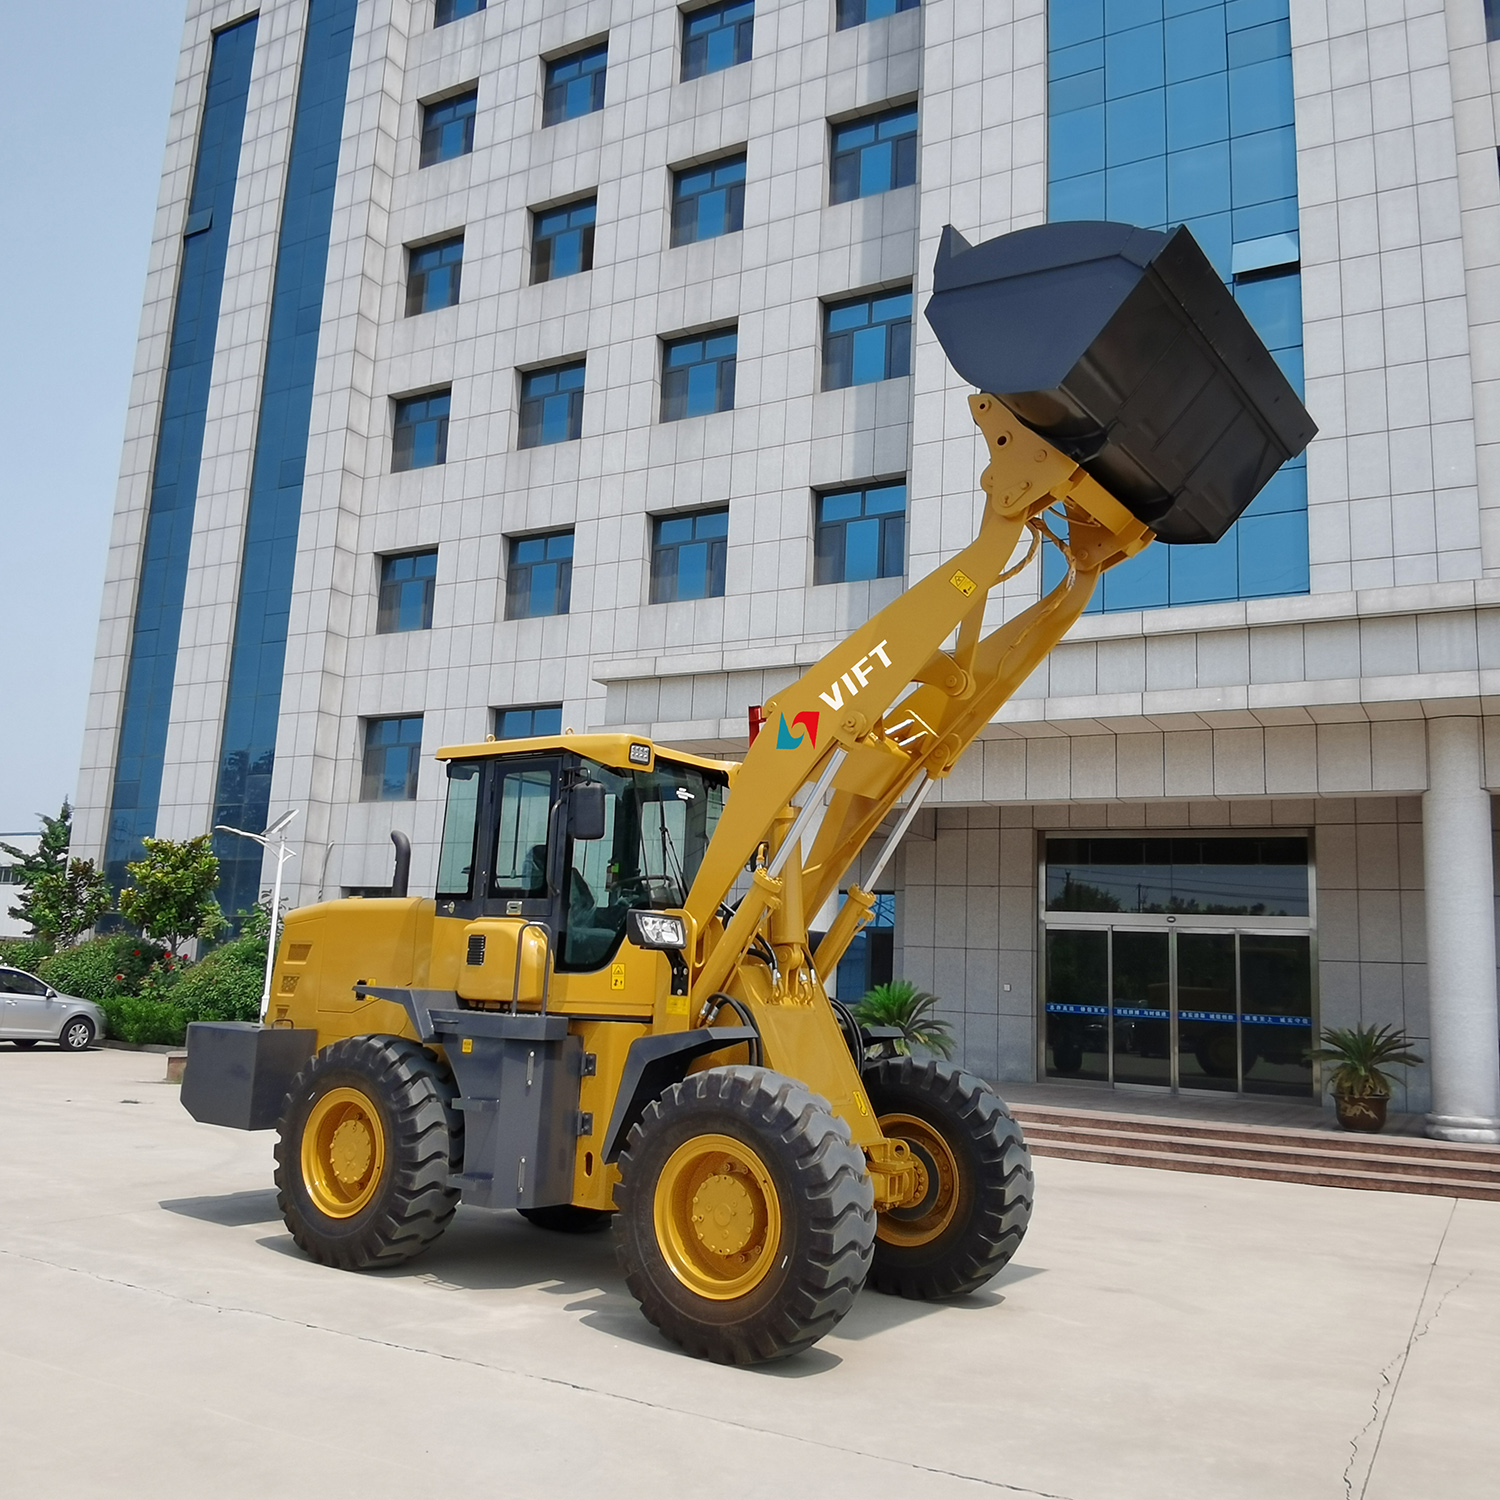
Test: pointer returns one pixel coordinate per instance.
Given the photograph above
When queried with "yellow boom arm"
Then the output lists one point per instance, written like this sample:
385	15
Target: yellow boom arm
889	706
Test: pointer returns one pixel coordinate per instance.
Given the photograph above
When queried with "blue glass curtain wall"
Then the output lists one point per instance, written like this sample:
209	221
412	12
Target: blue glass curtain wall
247	748
147	707
1166	112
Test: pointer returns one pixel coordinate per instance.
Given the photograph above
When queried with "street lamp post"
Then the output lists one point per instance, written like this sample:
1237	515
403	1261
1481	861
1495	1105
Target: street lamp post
282	853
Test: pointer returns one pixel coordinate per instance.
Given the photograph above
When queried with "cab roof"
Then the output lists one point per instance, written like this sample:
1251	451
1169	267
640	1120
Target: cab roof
612	750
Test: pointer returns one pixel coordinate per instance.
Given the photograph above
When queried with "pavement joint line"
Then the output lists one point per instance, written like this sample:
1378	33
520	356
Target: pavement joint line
1398	1363
552	1380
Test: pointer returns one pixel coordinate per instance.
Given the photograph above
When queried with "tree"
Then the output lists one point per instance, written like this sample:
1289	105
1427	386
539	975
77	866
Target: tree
60	897
171	898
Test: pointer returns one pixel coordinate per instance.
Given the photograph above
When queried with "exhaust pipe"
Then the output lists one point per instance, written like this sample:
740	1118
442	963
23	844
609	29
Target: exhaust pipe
401	877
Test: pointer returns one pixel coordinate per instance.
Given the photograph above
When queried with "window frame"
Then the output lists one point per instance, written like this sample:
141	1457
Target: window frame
551	89
383	611
585	231
669	393
497	720
714	569
370	777
876	119
401	404
539	404
466	93
734	199
890	536
562	593
744	35
445	242
869	300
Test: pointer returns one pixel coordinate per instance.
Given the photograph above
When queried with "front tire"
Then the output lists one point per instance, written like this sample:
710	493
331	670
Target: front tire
77	1035
367	1140
746	1216
977	1183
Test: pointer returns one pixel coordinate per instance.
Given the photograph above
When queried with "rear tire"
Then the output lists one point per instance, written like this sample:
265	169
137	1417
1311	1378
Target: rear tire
978	1180
367	1140
746	1215
568	1218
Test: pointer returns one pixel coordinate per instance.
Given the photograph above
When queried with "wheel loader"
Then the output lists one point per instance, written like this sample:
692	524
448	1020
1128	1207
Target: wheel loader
609	1009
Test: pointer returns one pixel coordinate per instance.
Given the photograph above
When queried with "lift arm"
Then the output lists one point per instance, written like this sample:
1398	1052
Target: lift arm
890	705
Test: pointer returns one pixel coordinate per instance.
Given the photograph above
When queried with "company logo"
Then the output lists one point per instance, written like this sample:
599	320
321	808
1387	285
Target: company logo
858	676
786	740
843	689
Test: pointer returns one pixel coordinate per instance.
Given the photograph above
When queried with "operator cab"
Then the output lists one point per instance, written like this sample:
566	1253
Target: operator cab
574	831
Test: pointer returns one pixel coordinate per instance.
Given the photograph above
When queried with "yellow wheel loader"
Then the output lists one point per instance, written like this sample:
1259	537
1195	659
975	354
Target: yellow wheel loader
609	1010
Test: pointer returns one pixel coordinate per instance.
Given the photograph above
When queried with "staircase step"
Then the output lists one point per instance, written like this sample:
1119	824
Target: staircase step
1265	1151
1333	1175
1355	1143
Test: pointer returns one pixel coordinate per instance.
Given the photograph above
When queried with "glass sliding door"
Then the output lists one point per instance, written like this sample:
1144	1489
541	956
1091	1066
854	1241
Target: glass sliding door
1141	1009
1207	1012
1077	979
1276	1020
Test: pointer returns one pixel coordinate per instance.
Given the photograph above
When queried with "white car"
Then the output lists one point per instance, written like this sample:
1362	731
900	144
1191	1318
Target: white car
31	1011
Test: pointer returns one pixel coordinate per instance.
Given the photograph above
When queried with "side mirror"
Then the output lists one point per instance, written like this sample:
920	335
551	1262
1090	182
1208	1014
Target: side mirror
586	811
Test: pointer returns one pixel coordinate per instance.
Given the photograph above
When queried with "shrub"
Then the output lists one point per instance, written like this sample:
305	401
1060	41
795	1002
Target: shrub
101	968
901	1004
145	1022
226	985
23	953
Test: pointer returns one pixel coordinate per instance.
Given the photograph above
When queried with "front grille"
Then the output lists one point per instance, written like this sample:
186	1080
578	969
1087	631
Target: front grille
476	949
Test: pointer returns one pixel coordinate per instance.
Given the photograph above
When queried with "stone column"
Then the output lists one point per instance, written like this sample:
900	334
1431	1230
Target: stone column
1458	858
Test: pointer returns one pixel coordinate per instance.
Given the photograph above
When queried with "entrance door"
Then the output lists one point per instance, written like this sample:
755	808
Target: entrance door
1165	1007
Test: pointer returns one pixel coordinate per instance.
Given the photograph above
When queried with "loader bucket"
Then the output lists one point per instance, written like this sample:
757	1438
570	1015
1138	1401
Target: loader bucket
1123	348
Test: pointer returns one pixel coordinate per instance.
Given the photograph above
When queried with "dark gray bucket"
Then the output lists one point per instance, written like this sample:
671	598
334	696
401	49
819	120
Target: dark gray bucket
1122	347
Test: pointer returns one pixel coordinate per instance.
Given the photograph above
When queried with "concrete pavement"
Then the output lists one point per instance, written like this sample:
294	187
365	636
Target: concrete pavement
1160	1335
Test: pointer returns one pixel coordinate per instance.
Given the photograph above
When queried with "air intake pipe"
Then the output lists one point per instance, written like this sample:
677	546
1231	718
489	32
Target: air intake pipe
401	876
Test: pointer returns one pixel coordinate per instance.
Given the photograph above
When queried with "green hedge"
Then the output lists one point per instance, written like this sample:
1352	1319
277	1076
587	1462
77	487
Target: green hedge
226	985
23	953
144	1022
101	969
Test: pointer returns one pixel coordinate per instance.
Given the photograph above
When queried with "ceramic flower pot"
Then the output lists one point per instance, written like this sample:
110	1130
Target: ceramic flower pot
1361	1111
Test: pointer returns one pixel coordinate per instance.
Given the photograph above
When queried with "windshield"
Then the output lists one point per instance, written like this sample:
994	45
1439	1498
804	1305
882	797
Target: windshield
657	826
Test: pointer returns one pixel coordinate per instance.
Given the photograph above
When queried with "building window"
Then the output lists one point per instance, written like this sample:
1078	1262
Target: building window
432	275
698	375
716	37
575	85
393	751
448	128
8	875
454	10
1492	20
562	240
552	405
687	556
708	201
870	958
421	432
527	723
856	12
866	339
860	534
540	578
1160	118
406	588
875	154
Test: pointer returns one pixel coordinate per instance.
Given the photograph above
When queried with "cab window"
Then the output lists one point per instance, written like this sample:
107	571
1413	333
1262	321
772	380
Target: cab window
524	804
460	825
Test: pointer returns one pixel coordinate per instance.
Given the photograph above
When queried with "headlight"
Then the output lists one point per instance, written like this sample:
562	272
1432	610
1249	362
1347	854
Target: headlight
654	929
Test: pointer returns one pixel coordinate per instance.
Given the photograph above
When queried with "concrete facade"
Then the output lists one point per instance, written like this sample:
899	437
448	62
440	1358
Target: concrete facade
1315	712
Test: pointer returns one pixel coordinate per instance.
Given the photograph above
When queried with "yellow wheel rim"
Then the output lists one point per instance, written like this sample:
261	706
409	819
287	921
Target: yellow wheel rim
718	1217
343	1152
930	1213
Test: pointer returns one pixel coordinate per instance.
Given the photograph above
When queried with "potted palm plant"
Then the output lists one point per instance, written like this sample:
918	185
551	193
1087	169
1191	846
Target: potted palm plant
1361	1086
902	1006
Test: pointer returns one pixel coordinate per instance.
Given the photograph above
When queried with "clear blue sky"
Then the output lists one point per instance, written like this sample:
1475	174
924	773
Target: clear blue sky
85	90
